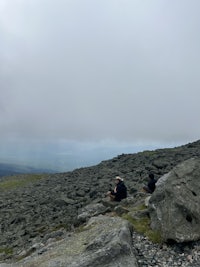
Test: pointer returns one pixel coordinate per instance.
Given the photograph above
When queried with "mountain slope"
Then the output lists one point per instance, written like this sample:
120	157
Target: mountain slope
33	207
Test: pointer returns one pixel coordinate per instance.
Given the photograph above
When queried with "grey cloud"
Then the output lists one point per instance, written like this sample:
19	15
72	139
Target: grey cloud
93	70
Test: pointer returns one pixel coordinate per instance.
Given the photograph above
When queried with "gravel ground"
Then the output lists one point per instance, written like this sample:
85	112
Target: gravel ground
157	255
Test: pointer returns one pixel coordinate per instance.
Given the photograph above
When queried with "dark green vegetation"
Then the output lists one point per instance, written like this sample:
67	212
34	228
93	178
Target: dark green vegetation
142	225
14	182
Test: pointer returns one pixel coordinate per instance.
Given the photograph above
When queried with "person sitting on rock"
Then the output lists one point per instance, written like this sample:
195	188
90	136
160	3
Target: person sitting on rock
120	190
151	184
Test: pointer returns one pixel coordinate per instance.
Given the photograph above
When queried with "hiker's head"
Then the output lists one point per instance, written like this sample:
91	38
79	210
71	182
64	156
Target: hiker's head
151	175
118	179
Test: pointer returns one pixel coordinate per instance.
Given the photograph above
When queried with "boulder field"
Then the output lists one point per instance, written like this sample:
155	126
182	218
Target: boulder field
36	212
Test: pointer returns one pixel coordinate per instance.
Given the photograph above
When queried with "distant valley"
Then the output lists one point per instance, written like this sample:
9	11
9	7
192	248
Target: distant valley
7	169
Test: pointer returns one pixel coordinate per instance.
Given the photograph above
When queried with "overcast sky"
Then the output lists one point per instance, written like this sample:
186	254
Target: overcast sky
111	72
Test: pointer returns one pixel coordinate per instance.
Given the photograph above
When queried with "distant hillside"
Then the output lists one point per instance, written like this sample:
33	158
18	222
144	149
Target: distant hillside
7	169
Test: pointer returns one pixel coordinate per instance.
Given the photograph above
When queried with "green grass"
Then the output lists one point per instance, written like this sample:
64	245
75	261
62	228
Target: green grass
139	208
148	152
19	181
142	226
7	251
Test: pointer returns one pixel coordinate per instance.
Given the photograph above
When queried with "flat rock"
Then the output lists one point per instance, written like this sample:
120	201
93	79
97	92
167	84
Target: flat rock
91	210
104	241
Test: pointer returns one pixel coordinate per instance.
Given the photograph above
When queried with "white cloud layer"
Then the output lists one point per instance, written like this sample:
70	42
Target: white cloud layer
125	70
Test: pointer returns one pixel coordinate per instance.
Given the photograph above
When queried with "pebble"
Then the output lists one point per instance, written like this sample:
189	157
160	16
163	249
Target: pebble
149	254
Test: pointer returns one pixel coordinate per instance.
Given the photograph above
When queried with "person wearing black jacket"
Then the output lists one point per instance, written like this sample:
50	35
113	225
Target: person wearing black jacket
151	186
120	190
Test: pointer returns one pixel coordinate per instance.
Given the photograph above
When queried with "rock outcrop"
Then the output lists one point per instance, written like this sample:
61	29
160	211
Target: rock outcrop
175	205
104	241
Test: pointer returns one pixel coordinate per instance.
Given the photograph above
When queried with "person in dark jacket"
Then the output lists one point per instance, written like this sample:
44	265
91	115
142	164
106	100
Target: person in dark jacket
120	190
151	184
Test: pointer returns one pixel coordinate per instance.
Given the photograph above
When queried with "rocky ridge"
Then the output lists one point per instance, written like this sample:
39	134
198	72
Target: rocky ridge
46	208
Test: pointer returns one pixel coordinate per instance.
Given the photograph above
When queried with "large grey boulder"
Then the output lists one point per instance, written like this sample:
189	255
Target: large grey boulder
104	242
175	204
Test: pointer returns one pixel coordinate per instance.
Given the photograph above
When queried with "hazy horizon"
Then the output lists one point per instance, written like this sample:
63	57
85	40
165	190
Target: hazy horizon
70	155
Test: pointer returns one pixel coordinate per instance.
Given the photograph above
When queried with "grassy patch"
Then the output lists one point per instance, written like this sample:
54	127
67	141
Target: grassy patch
148	153
7	251
19	181
139	208
142	225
